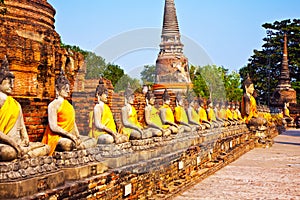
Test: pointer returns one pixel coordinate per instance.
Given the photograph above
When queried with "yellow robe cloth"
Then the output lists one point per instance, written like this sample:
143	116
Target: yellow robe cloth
133	119
253	111
180	115
9	114
155	118
195	116
222	114
65	119
211	115
229	114
202	114
107	120
169	113
235	115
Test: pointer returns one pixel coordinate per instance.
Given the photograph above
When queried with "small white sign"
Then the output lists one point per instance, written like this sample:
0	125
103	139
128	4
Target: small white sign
230	144
127	189
198	160
180	165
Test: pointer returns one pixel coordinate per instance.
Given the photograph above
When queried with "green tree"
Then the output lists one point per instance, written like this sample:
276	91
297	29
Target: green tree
215	82
122	84
95	66
148	74
264	66
113	73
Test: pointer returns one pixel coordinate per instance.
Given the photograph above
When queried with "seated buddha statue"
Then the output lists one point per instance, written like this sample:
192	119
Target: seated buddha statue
193	116
152	117
61	133
166	113
132	127
203	114
211	115
104	126
181	116
249	109
14	140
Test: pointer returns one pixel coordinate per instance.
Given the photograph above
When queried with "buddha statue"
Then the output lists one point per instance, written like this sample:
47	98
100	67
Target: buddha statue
103	124
152	117
181	116
203	115
218	113
211	115
249	110
61	133
14	140
193	116
286	113
166	113
132	127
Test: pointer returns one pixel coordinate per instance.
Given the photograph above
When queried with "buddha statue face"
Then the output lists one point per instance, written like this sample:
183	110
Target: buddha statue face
64	91
103	97
7	85
130	99
249	89
152	101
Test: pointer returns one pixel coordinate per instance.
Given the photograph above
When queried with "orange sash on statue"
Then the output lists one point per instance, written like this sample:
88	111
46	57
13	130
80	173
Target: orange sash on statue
180	115
65	119
9	114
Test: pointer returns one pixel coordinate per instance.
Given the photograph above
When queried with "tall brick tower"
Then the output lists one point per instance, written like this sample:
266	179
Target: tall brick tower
172	70
284	91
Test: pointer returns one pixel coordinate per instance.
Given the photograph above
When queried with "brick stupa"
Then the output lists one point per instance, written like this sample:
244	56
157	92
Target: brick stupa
33	49
172	70
284	91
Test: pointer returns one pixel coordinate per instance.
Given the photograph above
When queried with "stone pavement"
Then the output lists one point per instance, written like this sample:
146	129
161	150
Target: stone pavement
271	173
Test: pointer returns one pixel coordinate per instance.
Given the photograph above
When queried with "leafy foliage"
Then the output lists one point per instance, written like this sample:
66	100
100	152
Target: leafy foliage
148	74
264	66
96	67
215	82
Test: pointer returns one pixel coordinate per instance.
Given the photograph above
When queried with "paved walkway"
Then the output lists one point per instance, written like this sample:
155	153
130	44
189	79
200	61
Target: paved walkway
271	173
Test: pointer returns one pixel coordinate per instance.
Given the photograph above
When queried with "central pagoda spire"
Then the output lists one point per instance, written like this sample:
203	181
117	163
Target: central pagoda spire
172	70
170	39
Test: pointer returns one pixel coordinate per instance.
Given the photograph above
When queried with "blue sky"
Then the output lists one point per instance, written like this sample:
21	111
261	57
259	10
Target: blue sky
226	31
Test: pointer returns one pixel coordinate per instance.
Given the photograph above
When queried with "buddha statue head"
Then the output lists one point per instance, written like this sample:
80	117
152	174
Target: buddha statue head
6	77
129	95
150	98
62	85
179	100
166	97
101	91
248	86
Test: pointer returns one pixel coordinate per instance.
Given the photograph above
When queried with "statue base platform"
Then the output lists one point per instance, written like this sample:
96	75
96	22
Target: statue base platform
174	87
30	186
88	170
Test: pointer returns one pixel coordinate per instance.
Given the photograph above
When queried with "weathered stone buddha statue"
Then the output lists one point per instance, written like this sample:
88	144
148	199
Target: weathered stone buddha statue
61	133
218	113
152	117
249	110
166	113
193	116
180	115
203	115
211	115
132	127
14	141
104	126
